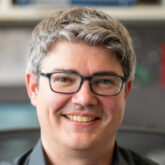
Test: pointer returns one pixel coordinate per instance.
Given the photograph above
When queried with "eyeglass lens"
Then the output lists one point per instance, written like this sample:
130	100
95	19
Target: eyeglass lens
70	83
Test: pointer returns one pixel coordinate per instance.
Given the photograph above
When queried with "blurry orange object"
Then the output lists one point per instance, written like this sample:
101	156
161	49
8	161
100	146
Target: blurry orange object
163	65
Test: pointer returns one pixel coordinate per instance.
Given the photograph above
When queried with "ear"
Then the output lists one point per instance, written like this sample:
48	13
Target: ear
128	88
31	85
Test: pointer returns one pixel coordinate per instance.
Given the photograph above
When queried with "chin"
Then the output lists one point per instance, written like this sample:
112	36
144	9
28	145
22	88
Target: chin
82	142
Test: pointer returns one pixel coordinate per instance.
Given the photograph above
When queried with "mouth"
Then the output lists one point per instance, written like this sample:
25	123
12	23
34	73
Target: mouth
81	119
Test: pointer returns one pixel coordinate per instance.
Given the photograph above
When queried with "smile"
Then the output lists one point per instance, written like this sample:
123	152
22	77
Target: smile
78	118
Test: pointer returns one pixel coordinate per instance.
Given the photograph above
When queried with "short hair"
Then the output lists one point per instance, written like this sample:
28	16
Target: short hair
82	25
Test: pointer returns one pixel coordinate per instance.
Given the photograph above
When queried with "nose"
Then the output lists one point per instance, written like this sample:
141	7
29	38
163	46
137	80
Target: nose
85	96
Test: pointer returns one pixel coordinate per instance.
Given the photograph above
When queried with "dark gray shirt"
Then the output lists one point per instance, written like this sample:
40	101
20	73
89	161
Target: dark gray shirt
121	157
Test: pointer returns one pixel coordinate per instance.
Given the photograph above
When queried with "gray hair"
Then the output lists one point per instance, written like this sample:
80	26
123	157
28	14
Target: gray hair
82	25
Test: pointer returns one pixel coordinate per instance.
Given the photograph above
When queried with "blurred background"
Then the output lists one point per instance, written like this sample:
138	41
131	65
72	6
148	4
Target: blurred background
145	20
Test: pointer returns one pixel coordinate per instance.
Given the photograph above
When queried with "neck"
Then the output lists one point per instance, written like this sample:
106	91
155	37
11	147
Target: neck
98	155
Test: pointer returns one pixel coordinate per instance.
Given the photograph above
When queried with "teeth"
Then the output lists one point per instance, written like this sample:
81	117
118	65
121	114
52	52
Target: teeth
80	118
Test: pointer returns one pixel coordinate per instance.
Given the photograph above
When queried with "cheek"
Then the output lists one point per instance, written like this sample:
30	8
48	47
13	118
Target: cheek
49	103
114	107
47	111
54	102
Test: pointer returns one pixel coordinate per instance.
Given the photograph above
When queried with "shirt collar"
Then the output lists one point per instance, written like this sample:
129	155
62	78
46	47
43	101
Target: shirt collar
37	155
118	158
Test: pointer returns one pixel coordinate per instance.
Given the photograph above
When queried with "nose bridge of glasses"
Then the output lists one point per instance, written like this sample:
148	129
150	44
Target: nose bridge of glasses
86	78
83	78
89	78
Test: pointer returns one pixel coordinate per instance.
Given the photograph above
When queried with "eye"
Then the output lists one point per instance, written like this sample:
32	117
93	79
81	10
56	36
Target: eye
62	79
104	82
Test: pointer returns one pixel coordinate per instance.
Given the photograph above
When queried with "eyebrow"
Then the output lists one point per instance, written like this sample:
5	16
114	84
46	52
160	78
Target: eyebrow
96	73
64	70
106	73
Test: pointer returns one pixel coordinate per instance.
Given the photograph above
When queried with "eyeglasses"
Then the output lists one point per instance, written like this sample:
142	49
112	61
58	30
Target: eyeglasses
70	82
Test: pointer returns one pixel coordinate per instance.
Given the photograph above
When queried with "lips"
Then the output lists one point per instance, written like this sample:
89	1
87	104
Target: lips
82	119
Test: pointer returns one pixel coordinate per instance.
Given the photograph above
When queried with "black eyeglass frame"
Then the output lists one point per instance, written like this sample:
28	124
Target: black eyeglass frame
82	79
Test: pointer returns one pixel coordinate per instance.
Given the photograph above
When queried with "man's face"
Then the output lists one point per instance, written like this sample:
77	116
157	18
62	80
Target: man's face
53	108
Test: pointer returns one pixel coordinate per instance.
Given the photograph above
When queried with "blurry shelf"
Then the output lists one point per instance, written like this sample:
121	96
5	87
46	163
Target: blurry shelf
17	115
137	13
10	13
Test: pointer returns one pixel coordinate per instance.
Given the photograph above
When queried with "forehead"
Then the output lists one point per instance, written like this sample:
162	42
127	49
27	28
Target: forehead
82	58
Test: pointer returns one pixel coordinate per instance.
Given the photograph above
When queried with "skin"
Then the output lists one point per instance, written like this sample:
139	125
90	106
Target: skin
73	142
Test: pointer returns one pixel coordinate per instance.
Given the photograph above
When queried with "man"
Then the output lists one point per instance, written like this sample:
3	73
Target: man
80	72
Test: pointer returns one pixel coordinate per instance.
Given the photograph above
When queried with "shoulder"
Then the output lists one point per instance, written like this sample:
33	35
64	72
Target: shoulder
5	163
31	157
22	159
134	158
